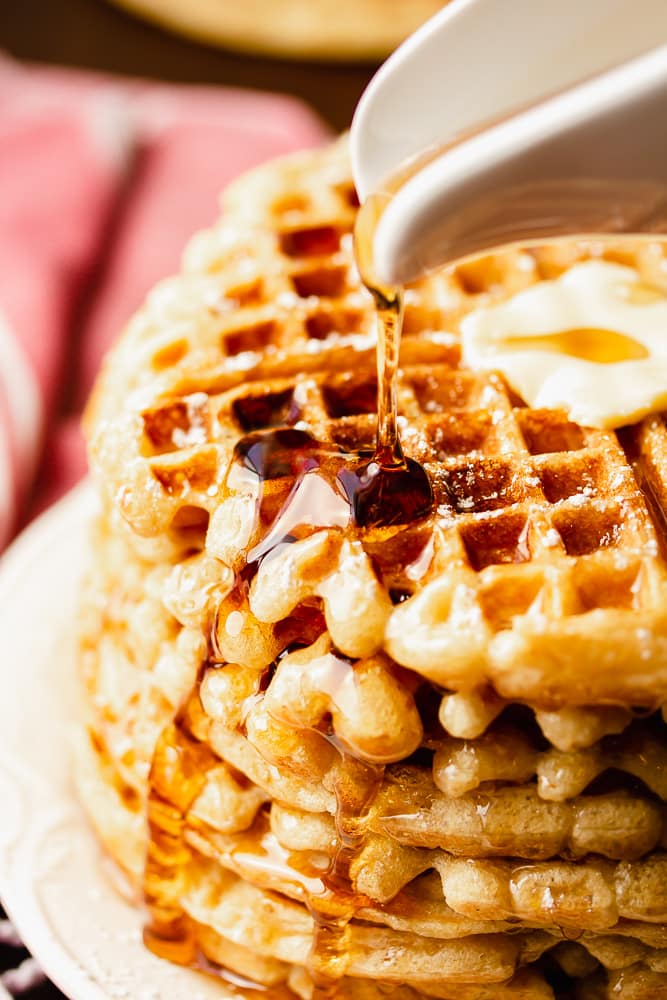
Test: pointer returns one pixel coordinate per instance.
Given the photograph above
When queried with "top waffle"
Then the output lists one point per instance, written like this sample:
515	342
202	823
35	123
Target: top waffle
539	576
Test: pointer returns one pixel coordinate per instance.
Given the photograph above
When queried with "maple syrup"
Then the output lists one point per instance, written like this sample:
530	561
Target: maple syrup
178	774
356	786
301	484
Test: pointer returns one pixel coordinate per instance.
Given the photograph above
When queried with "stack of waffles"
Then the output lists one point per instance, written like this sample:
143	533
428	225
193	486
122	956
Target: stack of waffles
424	759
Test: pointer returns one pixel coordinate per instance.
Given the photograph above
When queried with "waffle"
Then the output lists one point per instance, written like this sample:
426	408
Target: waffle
508	754
415	760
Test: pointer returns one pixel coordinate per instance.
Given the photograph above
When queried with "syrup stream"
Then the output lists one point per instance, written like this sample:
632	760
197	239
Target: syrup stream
389	320
389	310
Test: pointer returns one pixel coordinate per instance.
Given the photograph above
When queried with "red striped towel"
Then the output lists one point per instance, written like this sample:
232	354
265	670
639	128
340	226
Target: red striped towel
101	183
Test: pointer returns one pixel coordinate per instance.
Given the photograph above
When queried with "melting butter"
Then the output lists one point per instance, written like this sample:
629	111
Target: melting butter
591	342
604	347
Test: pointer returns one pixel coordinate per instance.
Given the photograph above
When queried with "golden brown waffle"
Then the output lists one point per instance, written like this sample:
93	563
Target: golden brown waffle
422	760
226	911
455	897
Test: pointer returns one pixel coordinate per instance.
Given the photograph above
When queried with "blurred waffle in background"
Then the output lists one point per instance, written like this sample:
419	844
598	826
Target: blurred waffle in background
317	29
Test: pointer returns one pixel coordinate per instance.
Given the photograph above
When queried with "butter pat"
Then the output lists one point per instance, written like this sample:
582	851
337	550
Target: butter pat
592	342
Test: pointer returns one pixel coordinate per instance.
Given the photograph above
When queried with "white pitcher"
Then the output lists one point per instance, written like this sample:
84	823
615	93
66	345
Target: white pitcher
551	120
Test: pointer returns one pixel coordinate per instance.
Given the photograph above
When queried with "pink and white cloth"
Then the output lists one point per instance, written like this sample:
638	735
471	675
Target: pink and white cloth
101	183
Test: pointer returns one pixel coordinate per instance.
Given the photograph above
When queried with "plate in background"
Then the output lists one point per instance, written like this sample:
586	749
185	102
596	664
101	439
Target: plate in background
336	30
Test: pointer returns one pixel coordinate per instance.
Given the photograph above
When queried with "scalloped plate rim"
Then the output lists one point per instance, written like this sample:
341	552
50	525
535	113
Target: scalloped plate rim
51	554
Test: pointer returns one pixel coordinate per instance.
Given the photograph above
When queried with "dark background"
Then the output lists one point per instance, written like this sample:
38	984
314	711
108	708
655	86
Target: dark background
92	34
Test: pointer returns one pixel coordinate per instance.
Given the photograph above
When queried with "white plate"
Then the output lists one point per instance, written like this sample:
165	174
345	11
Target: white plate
52	876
